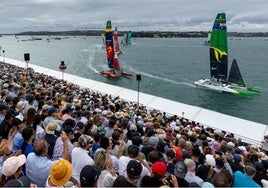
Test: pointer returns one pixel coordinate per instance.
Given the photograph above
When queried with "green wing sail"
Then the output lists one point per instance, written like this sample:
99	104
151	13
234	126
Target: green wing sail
219	49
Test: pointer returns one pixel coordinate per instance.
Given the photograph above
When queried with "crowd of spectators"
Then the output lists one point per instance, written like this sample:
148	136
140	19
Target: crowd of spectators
57	134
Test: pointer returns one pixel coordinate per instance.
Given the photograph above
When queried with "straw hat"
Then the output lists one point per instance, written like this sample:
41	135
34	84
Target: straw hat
51	127
150	118
20	106
126	115
160	131
109	114
118	115
60	172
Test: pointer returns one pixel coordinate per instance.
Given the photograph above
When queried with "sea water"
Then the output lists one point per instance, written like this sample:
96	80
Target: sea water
168	67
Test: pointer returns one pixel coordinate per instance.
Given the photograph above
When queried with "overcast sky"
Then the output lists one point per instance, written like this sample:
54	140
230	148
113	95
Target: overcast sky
136	15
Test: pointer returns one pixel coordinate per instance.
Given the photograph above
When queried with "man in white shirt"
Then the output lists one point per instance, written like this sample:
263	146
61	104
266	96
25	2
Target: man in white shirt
133	153
80	155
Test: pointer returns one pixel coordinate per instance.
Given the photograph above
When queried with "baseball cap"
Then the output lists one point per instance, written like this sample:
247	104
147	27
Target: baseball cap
134	169
159	168
89	175
52	110
11	165
68	130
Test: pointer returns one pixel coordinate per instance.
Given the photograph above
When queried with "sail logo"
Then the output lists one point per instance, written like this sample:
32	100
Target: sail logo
109	52
218	54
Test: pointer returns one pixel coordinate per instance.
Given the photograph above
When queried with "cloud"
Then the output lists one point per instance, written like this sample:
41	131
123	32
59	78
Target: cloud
138	15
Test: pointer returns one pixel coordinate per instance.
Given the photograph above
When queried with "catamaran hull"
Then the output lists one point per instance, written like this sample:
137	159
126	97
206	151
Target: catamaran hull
115	75
216	86
109	74
225	87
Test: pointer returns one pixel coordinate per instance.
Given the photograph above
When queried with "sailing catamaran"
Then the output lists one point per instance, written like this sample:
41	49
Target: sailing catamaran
113	63
103	40
218	80
116	43
126	39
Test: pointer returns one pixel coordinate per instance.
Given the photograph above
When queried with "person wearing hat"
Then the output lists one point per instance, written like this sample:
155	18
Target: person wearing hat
133	170
89	176
19	109
238	163
58	148
118	115
52	116
158	174
44	110
60	173
38	164
133	154
80	156
51	136
12	168
109	114
180	170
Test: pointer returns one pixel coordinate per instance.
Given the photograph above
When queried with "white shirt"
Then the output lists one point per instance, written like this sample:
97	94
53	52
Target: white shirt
80	158
122	163
84	120
106	179
47	185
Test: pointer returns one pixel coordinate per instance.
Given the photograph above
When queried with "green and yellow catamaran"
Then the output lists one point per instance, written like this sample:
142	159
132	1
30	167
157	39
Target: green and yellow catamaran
219	79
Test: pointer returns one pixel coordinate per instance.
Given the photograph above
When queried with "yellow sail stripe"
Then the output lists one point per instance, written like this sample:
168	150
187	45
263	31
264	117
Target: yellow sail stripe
218	53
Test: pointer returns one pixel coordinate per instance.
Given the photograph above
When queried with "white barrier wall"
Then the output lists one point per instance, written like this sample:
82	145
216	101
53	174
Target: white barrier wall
247	130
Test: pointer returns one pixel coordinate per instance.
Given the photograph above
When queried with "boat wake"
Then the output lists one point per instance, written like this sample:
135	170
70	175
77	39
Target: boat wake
91	59
184	82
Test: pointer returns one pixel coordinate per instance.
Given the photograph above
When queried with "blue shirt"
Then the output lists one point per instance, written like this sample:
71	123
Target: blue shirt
242	180
37	168
17	142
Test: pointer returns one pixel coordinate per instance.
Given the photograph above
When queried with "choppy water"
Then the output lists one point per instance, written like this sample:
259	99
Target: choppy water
168	68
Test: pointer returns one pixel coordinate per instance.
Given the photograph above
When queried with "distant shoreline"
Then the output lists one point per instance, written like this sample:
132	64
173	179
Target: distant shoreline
139	34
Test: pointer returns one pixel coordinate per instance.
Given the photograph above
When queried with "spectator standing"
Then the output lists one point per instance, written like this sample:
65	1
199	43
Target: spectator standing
80	155
133	170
